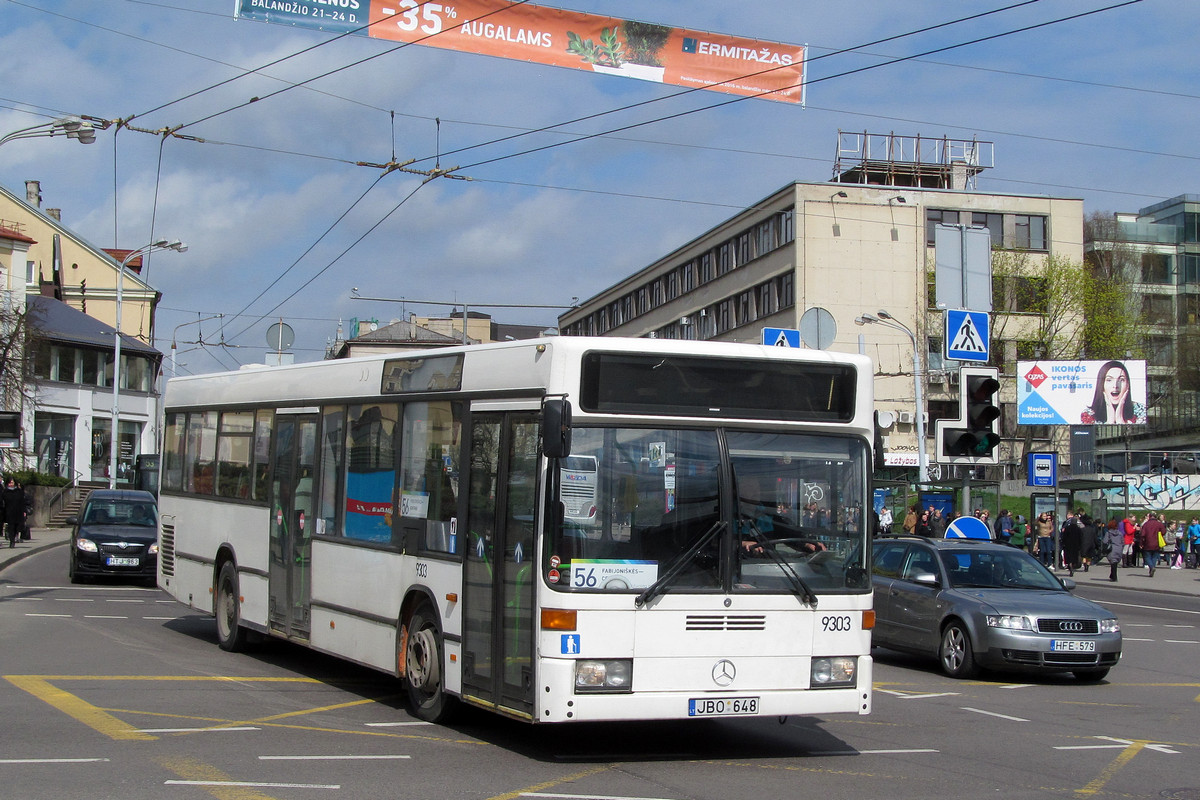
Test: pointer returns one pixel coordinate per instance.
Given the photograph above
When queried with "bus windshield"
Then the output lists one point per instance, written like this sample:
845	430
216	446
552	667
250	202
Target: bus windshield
789	509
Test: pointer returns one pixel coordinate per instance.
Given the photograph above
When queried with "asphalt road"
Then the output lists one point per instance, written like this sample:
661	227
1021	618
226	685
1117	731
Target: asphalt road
116	691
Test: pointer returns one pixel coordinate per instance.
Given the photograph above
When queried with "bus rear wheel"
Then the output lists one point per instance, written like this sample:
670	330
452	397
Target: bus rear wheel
423	651
231	636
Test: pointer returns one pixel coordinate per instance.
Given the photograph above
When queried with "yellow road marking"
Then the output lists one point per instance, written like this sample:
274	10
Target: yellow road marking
551	784
189	769
99	721
1111	770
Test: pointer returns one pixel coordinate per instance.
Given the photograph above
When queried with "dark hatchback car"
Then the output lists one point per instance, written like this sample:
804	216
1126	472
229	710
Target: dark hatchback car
976	604
116	535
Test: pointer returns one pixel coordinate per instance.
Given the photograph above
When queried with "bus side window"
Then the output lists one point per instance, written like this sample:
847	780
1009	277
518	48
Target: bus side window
430	447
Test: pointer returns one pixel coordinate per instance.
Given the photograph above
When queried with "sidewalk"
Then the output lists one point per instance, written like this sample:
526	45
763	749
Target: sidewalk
1165	580
1171	581
43	539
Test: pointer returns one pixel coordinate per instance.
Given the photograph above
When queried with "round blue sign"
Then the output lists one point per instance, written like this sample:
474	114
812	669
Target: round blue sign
967	528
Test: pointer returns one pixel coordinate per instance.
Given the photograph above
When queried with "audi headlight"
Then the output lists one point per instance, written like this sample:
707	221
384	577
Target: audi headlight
839	671
1011	622
604	675
87	545
1110	625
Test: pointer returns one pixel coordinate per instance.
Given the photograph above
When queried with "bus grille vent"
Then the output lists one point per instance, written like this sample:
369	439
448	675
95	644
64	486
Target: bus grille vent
166	549
726	622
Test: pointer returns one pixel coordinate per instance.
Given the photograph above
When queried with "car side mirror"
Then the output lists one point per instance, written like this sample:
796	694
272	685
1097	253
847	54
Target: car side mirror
1068	584
72	520
927	579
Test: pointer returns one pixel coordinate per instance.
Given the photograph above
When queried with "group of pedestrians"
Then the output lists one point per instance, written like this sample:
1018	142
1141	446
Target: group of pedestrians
15	508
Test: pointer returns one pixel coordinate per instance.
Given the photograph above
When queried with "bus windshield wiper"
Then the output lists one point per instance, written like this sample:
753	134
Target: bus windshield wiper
799	587
655	589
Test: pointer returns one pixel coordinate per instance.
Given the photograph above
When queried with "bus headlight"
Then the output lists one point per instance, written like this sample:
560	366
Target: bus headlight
839	671
608	675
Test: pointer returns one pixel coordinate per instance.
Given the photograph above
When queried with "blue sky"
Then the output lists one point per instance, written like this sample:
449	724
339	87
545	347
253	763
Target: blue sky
1104	108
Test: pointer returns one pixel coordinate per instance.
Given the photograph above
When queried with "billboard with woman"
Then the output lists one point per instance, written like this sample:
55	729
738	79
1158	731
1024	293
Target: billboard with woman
1081	392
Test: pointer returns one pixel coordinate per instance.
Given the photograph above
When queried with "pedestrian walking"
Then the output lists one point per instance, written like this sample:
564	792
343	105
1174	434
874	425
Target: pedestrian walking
1090	540
1043	548
1130	549
1151	539
14	510
910	519
1005	525
885	521
1171	540
1193	534
1071	539
1020	530
1112	547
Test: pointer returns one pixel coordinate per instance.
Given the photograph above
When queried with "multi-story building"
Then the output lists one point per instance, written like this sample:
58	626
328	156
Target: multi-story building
1156	253
858	244
67	288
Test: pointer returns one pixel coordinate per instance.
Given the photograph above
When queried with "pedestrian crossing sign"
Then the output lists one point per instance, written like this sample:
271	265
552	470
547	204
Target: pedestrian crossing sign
967	335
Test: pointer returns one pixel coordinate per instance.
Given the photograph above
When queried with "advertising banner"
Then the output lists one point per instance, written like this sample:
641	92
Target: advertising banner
1081	392
572	39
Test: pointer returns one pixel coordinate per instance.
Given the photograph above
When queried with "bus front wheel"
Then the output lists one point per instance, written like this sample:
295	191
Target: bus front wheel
231	636
423	666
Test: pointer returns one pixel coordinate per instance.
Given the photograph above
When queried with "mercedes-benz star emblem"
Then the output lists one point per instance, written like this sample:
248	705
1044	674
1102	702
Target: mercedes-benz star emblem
724	672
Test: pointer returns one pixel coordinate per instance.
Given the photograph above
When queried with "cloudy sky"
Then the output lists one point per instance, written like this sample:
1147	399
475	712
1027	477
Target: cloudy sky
282	223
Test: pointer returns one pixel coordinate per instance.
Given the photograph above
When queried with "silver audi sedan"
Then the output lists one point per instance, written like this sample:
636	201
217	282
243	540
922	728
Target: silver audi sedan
976	604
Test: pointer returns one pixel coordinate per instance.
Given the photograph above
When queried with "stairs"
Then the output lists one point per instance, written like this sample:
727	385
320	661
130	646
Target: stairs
73	507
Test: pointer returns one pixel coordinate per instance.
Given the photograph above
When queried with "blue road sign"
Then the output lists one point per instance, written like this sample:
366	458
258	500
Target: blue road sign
967	528
967	335
1043	470
781	337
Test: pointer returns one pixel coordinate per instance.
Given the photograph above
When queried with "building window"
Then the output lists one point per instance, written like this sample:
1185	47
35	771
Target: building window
787	291
706	267
935	217
31	276
1156	308
1191	269
1156	268
1160	351
1189	309
993	222
725	258
1030	232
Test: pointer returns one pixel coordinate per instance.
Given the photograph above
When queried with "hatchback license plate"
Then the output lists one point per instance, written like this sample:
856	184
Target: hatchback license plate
120	561
1072	646
722	706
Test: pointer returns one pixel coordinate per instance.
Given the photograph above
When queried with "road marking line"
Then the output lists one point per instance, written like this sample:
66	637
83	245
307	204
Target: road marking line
395	724
1109	772
118	600
1179	626
329	758
81	710
873	752
1131	639
993	714
210	729
1180	641
1017	686
74	599
532	790
51	760
588	796
255	784
192	770
102	616
161	618
59	616
1152	608
913	696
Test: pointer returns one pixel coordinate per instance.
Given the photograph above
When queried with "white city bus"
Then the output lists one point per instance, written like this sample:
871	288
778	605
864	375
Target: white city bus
406	511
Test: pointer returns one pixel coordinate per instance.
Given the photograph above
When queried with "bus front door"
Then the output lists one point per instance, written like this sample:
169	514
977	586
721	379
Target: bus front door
292	521
499	570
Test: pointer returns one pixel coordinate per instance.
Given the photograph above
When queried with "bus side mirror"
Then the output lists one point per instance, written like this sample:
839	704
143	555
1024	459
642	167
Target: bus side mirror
556	428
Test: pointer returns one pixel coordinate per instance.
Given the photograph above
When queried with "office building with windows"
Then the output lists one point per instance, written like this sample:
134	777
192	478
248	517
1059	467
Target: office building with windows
857	244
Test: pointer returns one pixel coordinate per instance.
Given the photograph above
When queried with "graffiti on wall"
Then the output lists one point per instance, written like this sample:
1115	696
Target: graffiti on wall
1158	492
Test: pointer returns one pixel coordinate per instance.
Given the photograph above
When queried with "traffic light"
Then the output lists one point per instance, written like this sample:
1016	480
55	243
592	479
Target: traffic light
974	437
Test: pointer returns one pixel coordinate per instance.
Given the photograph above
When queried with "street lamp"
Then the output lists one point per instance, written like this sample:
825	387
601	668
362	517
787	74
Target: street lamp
161	244
82	129
884	318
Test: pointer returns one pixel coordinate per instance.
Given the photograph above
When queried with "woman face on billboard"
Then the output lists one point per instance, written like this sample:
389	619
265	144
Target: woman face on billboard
1115	384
